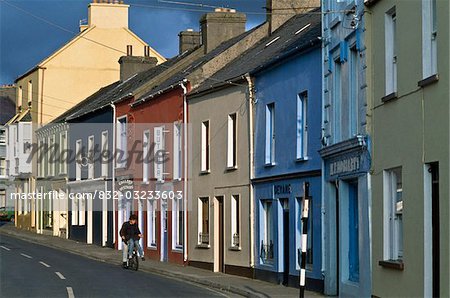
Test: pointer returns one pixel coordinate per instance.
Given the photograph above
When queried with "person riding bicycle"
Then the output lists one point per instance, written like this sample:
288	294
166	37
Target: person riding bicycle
131	234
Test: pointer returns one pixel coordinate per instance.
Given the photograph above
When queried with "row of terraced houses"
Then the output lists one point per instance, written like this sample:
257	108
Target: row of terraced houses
345	102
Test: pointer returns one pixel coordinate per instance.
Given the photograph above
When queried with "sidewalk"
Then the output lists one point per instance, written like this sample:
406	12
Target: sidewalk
230	283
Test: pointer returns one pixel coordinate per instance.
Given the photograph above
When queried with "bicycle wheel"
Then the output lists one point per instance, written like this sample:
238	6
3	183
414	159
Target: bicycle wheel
134	262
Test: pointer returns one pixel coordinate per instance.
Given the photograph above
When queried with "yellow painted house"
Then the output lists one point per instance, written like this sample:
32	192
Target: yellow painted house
82	66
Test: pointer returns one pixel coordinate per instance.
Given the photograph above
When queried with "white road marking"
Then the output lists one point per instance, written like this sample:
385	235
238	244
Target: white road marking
60	275
45	264
5	248
70	292
26	256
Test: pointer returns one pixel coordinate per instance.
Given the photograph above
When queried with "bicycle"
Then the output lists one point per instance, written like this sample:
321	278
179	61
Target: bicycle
133	262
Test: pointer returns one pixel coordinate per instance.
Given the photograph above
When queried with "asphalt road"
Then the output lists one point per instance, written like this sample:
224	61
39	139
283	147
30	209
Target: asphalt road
31	270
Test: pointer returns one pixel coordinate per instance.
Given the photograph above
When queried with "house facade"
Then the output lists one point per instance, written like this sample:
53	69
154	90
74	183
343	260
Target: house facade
287	166
345	151
410	164
89	60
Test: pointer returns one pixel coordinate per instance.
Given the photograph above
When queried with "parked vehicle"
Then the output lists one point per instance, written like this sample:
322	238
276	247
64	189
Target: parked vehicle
6	213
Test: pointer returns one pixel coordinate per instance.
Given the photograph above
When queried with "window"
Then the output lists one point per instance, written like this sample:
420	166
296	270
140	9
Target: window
267	237
51	155
235	221
104	154
429	38
393	214
122	142
160	146
2	167
81	211
203	221
91	157
63	153
232	141
302	125
151	223
337	100
177	154
30	92
79	156
354	92
41	161
2	137
309	241
270	134
205	147
74	212
177	223
146	155
391	51
19	97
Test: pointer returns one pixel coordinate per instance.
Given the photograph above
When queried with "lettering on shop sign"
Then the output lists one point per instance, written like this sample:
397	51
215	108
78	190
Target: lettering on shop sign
282	189
125	185
348	165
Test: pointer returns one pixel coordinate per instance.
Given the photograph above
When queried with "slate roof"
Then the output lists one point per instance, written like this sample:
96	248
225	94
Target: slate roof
178	77
116	91
299	33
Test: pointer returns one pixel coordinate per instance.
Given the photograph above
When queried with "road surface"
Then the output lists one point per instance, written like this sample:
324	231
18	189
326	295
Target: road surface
31	270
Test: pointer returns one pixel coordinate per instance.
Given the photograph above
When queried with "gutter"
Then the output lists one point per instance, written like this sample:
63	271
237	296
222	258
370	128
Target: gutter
185	169
113	170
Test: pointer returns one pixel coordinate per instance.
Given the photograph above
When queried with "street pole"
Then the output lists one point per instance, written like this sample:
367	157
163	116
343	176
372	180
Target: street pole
304	241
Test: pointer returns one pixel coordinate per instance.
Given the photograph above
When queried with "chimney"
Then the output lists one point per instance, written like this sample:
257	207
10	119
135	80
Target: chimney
130	65
108	14
189	39
279	11
221	25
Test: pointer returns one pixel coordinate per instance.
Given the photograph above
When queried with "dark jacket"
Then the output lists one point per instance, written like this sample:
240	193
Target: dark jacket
130	231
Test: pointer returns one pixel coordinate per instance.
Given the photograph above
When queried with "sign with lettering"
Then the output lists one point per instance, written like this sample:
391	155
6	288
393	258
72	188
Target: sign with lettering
347	164
279	189
344	166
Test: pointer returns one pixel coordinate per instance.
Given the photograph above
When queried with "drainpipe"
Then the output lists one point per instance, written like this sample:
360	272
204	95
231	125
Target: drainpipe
185	169
250	125
113	173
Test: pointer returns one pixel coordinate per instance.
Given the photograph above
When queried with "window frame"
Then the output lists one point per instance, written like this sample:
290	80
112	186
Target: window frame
205	162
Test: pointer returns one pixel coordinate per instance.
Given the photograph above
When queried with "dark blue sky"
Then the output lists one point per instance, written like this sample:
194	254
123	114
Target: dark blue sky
25	40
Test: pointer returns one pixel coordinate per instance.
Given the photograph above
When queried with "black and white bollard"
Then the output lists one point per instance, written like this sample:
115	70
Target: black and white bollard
305	212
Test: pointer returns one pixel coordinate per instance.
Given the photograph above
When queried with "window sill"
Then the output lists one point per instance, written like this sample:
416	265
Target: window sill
235	248
268	165
302	159
391	264
428	81
205	172
177	249
145	182
203	246
152	247
230	169
389	97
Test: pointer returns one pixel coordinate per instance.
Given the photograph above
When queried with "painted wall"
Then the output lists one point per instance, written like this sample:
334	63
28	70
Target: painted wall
410	131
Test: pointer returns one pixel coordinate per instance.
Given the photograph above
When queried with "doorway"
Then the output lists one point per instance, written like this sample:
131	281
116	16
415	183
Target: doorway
219	264
286	251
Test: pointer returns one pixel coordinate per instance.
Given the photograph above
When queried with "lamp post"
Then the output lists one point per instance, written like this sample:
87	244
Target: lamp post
305	212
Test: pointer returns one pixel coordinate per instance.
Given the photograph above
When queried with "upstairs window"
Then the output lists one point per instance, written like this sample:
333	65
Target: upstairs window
91	169
30	92
79	156
270	134
302	126
429	38
63	153
232	141
391	51
205	147
146	156
104	154
177	151
122	142
354	92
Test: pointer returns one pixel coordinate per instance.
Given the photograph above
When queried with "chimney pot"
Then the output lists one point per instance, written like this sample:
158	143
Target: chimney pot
188	39
131	65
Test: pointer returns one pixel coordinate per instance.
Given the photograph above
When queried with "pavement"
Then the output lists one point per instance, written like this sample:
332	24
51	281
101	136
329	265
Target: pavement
213	282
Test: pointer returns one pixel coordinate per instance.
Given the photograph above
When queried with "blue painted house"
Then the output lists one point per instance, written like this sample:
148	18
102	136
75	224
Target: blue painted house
345	152
287	128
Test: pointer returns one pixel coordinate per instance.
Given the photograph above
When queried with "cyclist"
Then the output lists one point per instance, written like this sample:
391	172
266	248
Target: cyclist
131	234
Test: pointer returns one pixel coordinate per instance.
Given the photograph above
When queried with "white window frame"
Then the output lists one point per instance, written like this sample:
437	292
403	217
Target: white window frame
51	155
122	141
391	51
75	212
302	126
151	223
104	153
82	211
270	134
78	150
392	211
30	91
232	141
19	97
205	146
337	100
354	92
200	219
63	152
429	38
235	220
160	145
177	151
177	224
91	167
146	156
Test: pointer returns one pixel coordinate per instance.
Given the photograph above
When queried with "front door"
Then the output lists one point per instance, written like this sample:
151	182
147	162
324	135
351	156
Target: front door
285	204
